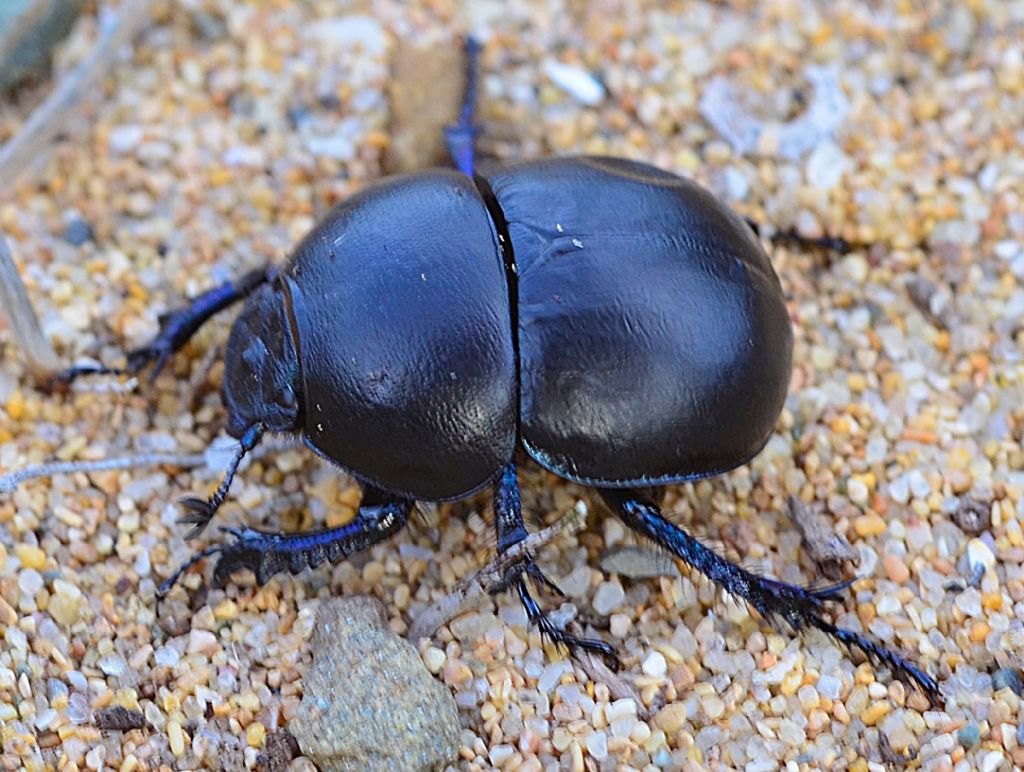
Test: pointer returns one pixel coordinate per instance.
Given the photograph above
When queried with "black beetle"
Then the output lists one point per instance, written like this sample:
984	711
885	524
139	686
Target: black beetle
615	320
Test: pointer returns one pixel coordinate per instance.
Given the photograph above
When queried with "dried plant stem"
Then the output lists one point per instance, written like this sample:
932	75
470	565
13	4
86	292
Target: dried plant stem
51	115
12	480
473	589
9	482
42	361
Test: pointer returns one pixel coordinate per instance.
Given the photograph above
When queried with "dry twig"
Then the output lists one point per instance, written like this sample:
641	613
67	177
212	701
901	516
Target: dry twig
829	550
51	115
473	589
9	482
42	360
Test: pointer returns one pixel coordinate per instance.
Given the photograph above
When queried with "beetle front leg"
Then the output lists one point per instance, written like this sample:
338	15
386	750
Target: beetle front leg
508	520
800	607
268	553
177	327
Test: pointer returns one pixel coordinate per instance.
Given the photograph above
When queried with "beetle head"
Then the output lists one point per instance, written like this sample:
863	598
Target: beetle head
260	367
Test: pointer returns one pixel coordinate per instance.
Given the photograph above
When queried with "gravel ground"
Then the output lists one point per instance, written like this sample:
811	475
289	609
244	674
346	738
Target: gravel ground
234	125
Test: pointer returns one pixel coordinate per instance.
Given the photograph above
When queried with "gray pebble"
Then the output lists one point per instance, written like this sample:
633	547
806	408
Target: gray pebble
638	562
369	701
969	735
608	597
1007	677
77	232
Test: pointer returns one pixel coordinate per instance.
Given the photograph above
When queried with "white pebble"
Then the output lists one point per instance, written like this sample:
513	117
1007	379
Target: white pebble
166	656
201	642
620	709
619	625
608	597
434	659
992	761
500	754
829	687
826	165
597	746
94	758
113	665
899	489
579	83
550	677
30	582
857	491
124	139
655	665
919	485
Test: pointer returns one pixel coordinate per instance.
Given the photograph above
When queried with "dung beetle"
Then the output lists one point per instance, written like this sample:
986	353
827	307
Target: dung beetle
616	321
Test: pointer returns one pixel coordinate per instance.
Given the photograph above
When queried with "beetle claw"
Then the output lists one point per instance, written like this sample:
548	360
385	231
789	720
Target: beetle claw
198	513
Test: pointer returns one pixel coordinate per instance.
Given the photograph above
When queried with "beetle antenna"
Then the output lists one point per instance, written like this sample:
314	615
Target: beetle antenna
199	512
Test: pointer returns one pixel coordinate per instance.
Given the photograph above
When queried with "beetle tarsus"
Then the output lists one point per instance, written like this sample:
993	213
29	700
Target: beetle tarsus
880	655
548	631
799	607
168	584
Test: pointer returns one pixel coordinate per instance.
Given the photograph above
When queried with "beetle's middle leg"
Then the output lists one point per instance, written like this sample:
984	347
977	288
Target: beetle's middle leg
508	520
800	607
380	516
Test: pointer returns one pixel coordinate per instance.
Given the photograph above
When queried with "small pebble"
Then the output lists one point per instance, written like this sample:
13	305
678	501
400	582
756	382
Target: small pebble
77	232
176	738
30	556
578	82
1007	678
980	554
597	745
654	665
895	568
608	597
434	659
969	735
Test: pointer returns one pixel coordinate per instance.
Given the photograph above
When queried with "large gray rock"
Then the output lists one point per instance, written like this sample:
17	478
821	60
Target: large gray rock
29	29
369	703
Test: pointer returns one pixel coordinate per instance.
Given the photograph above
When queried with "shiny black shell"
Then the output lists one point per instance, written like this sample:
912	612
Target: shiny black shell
654	342
400	310
621	322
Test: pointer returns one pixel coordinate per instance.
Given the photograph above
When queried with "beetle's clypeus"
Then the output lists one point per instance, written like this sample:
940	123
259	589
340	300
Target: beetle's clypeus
616	321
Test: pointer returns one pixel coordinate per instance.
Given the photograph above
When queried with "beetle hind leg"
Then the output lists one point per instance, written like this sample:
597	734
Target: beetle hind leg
799	607
461	137
508	516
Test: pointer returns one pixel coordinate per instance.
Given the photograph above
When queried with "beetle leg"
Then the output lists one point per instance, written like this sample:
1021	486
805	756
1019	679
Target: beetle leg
267	553
199	512
462	136
177	327
835	244
800	607
508	517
